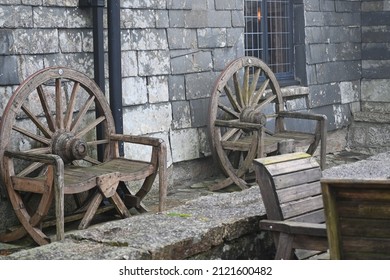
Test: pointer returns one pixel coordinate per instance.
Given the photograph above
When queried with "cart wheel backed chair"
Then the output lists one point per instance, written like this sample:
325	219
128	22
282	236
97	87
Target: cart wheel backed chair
58	140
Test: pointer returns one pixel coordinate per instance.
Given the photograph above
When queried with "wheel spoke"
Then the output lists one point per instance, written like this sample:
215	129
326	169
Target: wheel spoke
59	116
70	110
265	102
45	107
232	99
97	142
259	93
31	135
255	79
82	113
230	133
245	86
91	160
238	90
39	151
31	168
91	126
37	122
228	110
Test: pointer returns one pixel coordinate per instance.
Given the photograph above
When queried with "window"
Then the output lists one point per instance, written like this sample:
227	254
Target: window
268	34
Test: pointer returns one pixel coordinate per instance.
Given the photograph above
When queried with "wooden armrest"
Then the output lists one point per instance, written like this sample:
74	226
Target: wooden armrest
292	227
300	115
236	124
44	158
136	139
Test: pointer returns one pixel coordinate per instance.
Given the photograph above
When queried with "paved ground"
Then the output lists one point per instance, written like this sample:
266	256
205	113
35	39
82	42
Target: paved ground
191	190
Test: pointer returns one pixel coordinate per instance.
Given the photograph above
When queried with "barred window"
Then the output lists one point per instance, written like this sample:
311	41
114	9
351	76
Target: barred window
268	34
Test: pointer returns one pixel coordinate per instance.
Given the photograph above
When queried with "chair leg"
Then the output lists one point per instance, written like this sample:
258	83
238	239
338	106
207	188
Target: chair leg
284	247
162	176
92	208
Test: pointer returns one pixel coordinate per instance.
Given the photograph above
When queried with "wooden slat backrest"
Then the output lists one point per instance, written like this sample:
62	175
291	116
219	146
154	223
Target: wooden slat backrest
358	218
290	187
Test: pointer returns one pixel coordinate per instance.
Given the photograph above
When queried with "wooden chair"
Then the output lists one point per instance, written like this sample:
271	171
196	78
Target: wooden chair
357	218
248	120
290	188
58	138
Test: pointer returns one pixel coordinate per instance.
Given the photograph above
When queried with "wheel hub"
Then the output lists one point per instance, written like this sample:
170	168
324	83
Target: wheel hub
68	147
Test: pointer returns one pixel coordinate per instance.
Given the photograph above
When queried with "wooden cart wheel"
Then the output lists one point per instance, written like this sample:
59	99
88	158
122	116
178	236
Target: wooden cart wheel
242	92
55	111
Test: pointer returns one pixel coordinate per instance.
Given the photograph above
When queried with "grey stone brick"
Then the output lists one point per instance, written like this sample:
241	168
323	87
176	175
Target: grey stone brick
82	62
223	56
153	63
319	53
376	51
148	118
162	19
149	39
238	19
65	3
9	70
350	91
348	6
199	109
144	4
212	37
375	18
134	91
157	89
229	5
199	85
177	88
176	19
376	69
185	143
182	38
181	114
376	34
7	41
338	71
190	62
48	17
35	41
16	16
195	19
375	90
138	18
312	5
71	40
322	95
179	4
219	19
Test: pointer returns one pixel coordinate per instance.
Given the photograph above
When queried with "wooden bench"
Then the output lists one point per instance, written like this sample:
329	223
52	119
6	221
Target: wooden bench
357	218
248	120
58	138
291	191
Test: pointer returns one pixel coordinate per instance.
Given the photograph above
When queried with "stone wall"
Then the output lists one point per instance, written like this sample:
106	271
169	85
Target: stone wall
376	56
333	58
171	54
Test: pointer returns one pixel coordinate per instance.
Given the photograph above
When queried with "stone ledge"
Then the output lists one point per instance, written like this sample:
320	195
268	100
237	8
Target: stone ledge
184	232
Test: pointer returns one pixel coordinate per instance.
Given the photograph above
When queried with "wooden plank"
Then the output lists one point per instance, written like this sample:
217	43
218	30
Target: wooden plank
297	178
299	192
370	228
356	209
281	158
317	217
292	166
34	185
298	208
368	245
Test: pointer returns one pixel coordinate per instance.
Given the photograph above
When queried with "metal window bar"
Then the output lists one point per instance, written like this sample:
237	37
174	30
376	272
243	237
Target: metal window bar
268	34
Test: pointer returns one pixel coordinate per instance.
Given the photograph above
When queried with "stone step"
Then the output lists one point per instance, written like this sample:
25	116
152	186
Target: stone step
369	132
371	117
